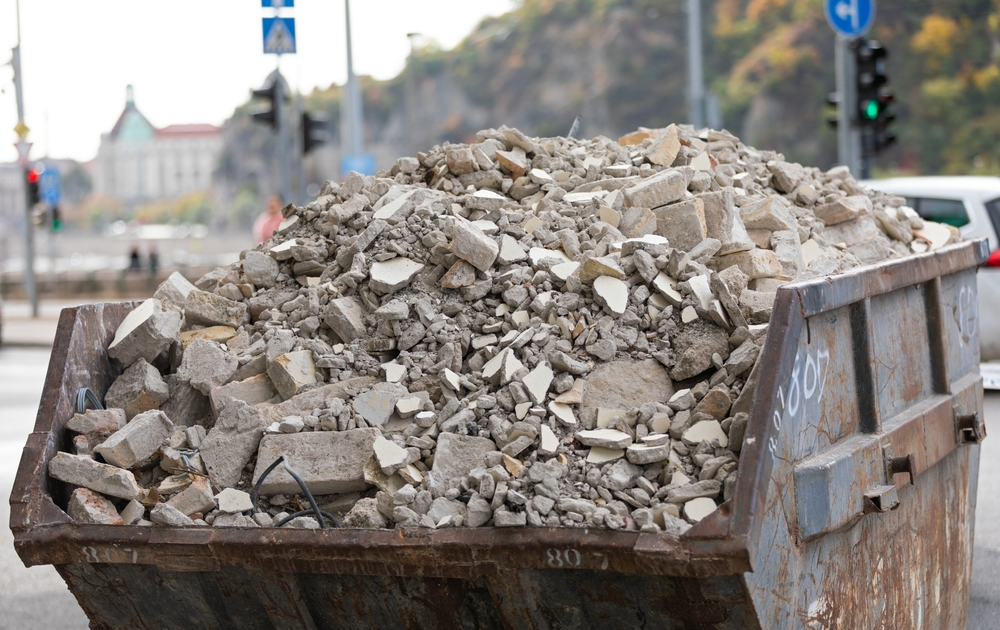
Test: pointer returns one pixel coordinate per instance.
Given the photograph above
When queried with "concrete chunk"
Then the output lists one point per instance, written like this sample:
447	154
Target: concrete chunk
471	245
844	209
612	294
206	365
346	317
329	462
392	275
291	372
209	309
682	224
253	391
139	388
231	443
144	333
260	269
458	455
665	187
138	441
723	221
196	498
169	516
89	508
757	263
97	424
173	292
103	478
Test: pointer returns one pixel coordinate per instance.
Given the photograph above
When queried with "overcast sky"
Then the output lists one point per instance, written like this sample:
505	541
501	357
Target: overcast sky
191	61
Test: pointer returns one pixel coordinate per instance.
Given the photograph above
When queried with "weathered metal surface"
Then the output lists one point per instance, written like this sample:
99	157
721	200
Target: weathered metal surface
862	372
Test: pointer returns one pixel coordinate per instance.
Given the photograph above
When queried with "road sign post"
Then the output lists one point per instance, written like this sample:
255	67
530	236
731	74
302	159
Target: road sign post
849	19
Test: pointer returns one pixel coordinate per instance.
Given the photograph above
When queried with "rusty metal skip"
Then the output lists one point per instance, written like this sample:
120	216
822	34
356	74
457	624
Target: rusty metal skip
854	505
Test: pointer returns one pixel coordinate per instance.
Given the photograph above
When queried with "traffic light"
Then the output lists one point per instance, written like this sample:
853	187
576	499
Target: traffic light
57	223
832	100
314	131
33	177
873	110
271	93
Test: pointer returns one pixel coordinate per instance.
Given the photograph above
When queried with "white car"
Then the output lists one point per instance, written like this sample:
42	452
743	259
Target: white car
971	204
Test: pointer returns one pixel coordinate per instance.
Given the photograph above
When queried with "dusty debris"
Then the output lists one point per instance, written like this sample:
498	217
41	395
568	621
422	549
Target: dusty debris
517	332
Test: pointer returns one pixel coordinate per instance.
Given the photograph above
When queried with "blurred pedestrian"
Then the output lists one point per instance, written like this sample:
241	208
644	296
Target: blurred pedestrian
268	222
154	259
134	262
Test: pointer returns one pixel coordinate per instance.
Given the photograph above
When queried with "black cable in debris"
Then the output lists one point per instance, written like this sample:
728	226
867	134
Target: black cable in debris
315	511
85	395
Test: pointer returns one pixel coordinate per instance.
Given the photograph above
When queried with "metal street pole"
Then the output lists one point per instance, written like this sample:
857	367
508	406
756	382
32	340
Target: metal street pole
848	136
696	80
411	97
284	154
353	93
30	288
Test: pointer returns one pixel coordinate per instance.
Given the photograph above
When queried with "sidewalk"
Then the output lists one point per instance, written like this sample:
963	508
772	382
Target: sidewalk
22	330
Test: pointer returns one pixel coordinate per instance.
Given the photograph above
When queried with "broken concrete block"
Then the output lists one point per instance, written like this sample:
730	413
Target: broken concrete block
844	209
460	275
682	224
169	516
605	438
458	455
787	249
538	381
206	365
260	269
471	245
329	462
139	388
172	292
769	214
787	175
144	333
291	372
626	385
346	318
664	150
594	268
723	222
637	222
231	443
209	309
757	263
392	275
510	251
697	509
706	431
97	424
103	478
89	508
133	512
253	391
303	404
460	160
196	498
612	294
376	405
662	188
233	501
390	456
218	334
186	405
693	348
137	442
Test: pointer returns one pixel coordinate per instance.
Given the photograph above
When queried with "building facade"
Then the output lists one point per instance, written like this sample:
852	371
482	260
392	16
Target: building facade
138	163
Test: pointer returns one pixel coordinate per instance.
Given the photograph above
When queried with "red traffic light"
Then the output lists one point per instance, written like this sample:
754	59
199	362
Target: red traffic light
33	176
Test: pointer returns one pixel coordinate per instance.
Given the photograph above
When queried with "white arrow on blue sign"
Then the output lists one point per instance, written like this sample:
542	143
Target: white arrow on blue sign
279	36
850	18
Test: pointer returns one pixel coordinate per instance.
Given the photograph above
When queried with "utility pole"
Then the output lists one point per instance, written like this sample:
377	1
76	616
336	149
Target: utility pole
284	151
411	97
848	135
30	288
354	106
696	79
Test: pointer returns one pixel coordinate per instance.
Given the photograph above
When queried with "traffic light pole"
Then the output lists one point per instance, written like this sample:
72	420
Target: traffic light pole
848	135
29	227
284	151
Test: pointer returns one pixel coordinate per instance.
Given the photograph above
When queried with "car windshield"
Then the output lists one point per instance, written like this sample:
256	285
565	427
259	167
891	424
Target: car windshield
993	209
950	211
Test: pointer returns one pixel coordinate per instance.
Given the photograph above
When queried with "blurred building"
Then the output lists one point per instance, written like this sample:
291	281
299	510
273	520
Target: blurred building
138	163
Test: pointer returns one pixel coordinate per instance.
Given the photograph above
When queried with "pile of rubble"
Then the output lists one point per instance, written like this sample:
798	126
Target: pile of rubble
520	331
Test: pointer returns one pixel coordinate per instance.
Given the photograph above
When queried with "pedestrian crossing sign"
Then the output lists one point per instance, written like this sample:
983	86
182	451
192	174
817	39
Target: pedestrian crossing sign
279	36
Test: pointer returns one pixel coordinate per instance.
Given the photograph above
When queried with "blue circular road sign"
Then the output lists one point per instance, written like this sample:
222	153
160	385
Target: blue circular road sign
850	18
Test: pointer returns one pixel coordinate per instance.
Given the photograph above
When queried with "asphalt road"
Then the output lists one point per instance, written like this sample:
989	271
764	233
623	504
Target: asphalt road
37	598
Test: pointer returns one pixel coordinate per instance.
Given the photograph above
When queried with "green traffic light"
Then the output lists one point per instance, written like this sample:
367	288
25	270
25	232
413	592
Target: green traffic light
871	110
